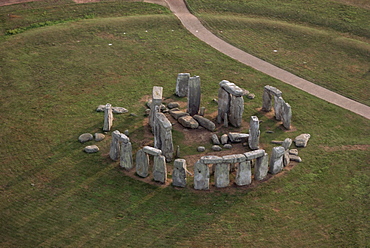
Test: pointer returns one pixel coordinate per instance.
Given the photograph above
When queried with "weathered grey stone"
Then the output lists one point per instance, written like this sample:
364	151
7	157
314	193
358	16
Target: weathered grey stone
222	175
163	136
244	174
266	101
215	139
147	112
226	120
231	88
202	111
254	133
295	158
286	115
223	104
238	137
126	132
201	176
278	107
159	169
276	160
302	139
261	167
122	138
234	158
149	103
286	158
177	114
188	122
236	110
152	151
182	83
119	110
142	163
100	108
228	146
216	148
178	152
287	143
99	137
172	105
179	173
273	90
251	96
194	94
293	152
201	149
114	151
204	122
224	139
156	103
254	154
211	159
108	118
91	149
85	137
126	161
277	142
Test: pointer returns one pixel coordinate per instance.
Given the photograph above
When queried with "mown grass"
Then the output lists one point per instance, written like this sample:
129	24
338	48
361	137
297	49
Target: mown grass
53	194
338	59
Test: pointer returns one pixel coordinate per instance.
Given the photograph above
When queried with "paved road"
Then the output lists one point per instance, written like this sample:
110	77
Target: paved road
191	23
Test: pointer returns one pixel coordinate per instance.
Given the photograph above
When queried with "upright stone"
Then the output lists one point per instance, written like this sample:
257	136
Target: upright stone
114	151
266	100
163	136
286	115
156	101
244	174
194	95
202	111
278	107
142	163
276	160
126	153
201	176
261	167
108	117
287	143
222	175
254	133
159	169
179	173
182	83
223	104
236	110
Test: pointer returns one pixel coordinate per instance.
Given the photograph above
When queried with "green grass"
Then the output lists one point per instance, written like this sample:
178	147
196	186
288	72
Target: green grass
335	58
55	195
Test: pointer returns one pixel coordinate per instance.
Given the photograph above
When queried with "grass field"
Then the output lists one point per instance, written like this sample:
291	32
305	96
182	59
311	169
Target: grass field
55	195
322	41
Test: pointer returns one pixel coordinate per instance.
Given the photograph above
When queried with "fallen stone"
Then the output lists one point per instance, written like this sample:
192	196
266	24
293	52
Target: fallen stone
204	122
295	158
293	152
251	96
179	173
85	137
201	176
211	159
301	140
172	105
215	139
177	114
277	142
228	146
152	151
238	137
119	110
216	148
201	149
91	149
99	137
244	174
188	122
222	175
224	139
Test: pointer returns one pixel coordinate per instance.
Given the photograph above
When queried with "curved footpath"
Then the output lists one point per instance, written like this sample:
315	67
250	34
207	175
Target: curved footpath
191	23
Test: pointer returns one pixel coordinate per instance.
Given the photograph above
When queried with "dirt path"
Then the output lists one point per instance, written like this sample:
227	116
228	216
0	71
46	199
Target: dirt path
191	23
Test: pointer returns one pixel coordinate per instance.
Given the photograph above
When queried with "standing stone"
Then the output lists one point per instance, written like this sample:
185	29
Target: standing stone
286	115
236	110
160	169
215	139
287	143
182	84
278	107
114	151
194	95
266	101
202	111
222	175
244	174
108	117
276	160
261	168
286	158
179	173
155	104
126	153
226	120
223	104
163	136
142	163
201	176
254	133
224	139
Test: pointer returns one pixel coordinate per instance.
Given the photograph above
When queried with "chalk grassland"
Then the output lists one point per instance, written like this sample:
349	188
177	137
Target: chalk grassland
325	42
55	195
